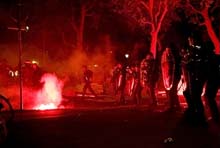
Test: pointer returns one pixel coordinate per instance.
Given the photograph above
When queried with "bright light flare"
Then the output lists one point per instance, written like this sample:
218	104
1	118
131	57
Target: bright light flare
27	28
46	106
34	62
50	96
96	65
126	55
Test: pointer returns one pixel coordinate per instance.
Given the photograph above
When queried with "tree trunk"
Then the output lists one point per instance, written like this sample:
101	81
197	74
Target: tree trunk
212	34
80	32
153	46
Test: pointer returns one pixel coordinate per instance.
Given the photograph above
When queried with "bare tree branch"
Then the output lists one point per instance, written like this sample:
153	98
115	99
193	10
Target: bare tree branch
139	11
144	21
193	8
74	26
163	15
201	24
215	6
148	12
145	5
151	6
158	12
90	5
14	19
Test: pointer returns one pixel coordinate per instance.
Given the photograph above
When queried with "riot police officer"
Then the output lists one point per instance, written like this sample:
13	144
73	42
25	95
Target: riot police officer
195	71
136	85
148	76
212	86
116	77
87	77
119	81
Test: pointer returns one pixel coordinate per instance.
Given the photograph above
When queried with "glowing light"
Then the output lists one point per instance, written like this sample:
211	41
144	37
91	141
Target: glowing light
95	65
126	55
50	96
11	73
34	62
27	28
46	106
16	73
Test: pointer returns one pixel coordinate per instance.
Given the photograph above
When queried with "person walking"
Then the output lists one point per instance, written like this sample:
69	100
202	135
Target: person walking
87	77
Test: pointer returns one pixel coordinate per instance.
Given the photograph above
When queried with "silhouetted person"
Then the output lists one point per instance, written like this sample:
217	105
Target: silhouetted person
121	88
105	79
37	72
137	88
117	77
212	85
195	68
149	76
87	77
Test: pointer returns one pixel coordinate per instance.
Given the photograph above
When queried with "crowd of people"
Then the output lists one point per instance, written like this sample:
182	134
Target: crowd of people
196	63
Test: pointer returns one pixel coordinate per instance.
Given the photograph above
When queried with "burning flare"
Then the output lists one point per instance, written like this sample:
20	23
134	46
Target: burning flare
50	96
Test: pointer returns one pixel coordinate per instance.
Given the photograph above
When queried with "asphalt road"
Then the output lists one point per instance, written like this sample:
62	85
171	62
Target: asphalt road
122	126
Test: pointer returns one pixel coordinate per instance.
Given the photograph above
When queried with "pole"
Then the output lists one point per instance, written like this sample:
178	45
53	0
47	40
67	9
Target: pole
20	68
19	28
20	53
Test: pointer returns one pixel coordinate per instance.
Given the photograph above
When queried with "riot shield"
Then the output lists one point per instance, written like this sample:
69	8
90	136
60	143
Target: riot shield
168	68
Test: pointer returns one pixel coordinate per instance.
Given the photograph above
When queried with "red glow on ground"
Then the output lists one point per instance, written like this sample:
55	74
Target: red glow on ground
50	96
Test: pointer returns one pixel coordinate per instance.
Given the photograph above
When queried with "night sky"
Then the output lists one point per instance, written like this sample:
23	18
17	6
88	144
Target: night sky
51	18
51	30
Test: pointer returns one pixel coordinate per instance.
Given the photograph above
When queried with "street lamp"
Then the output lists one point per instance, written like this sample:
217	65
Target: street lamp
26	28
127	55
20	29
